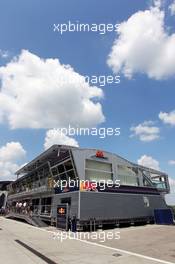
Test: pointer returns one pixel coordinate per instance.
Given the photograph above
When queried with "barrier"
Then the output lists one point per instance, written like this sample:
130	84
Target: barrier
163	216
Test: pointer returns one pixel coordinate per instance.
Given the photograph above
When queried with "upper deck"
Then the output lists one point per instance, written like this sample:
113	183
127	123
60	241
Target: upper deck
61	163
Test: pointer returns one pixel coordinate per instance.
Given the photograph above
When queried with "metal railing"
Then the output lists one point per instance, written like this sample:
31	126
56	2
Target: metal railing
37	210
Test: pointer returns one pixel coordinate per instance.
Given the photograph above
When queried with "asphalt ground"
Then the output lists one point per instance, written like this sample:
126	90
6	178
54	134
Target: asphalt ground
22	243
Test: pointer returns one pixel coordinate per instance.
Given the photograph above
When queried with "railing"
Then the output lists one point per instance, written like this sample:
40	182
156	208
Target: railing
44	210
31	191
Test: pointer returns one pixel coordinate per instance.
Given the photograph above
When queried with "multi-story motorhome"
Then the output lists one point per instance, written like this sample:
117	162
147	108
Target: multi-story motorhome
89	185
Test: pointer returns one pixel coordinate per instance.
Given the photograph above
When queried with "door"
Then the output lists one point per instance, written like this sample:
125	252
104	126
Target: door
62	216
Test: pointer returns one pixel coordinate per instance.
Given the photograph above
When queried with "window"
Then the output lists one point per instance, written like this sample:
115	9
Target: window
146	178
159	185
71	175
96	171
146	183
46	205
64	171
159	181
97	175
127	176
68	165
54	171
97	165
60	168
63	177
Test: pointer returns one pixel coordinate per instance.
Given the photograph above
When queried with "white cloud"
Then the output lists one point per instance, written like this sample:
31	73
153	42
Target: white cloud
170	198
146	131
144	46
53	136
157	3
4	54
10	156
149	162
172	8
171	162
42	93
168	118
172	185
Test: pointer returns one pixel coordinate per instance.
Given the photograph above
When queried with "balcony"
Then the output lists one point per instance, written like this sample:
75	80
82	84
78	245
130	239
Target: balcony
27	192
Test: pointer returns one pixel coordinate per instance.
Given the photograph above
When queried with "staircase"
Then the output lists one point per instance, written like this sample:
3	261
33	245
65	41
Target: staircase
34	220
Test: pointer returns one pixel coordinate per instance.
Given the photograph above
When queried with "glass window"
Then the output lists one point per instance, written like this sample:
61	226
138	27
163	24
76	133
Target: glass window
54	171
96	170
127	176
71	175
68	165
92	175
145	182
159	184
57	178
159	181
63	177
60	168
97	165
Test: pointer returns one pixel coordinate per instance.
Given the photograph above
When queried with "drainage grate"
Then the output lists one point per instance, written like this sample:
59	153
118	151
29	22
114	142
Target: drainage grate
117	255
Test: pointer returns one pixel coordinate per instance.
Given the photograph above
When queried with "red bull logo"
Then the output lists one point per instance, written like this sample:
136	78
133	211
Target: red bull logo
99	154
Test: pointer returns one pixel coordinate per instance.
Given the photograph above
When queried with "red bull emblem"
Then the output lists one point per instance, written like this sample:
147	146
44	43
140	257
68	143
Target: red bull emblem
61	211
99	154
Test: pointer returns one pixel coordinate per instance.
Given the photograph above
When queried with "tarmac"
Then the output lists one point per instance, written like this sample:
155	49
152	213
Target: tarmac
23	243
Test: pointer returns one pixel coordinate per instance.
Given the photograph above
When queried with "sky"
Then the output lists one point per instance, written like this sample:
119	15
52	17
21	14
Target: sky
42	86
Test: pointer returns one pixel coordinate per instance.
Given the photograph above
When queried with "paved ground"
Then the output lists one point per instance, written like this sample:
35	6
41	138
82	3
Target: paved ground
22	243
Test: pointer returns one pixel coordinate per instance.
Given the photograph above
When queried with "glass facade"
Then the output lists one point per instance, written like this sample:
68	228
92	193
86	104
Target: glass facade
64	171
127	175
96	171
60	166
158	181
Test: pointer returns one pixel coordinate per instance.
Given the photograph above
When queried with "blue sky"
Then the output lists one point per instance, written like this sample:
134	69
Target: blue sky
28	25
